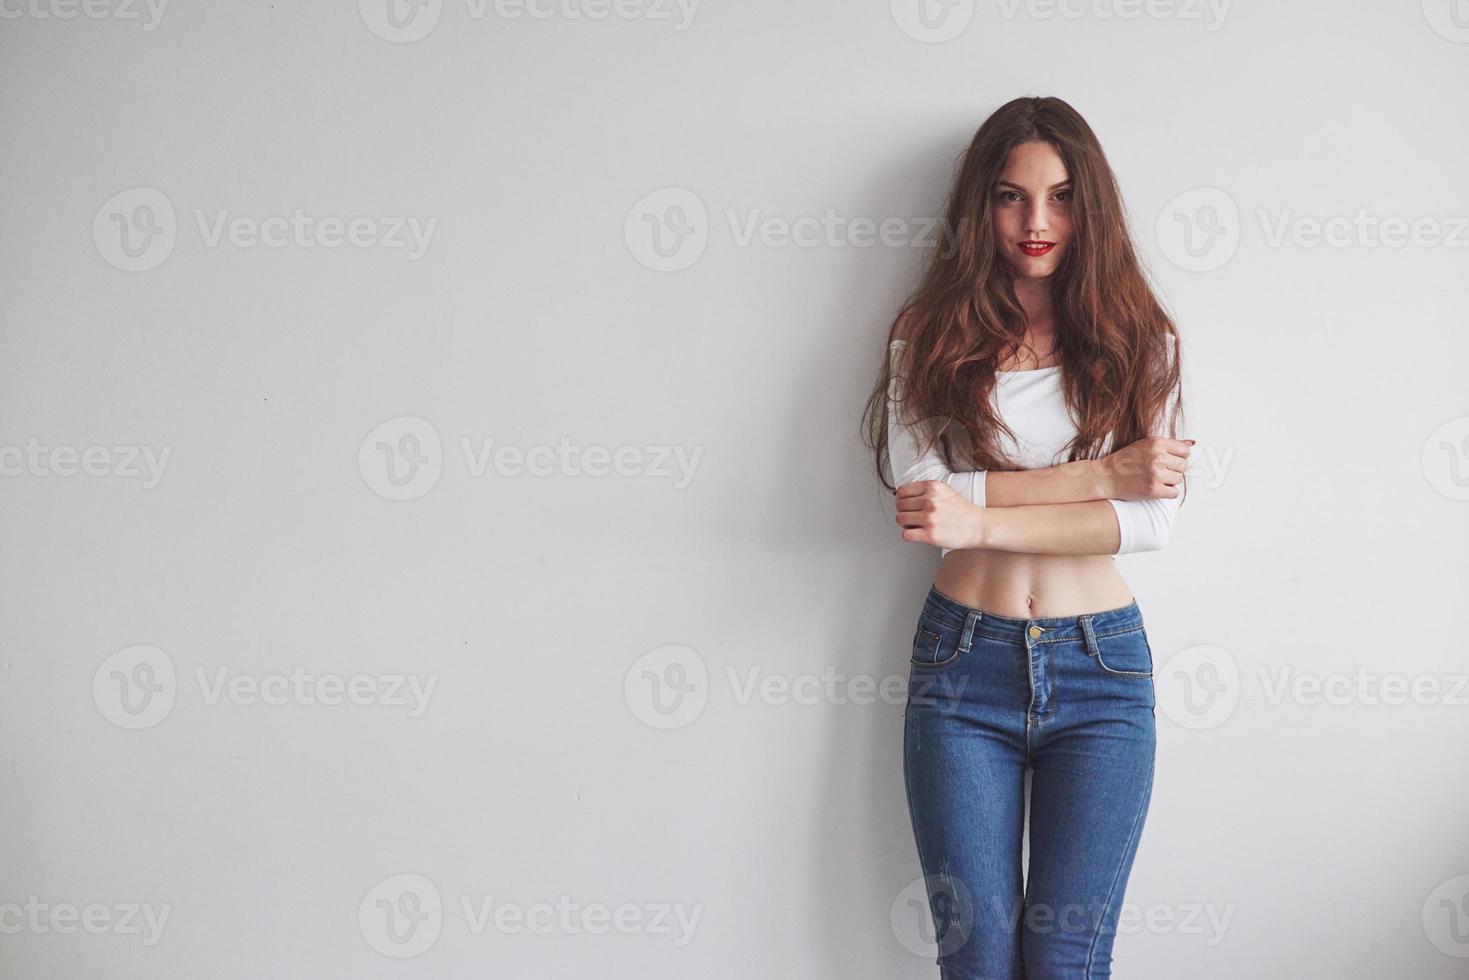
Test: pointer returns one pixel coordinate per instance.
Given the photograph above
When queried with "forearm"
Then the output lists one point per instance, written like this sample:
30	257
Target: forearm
1072	482
1077	528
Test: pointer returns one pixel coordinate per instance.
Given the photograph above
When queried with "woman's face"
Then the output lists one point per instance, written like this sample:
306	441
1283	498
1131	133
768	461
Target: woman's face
1032	206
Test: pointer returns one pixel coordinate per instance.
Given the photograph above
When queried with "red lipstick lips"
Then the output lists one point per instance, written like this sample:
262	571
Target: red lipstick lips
1036	248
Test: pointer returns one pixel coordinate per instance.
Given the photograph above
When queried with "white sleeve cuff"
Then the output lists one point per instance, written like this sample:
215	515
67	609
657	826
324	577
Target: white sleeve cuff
1144	525
970	483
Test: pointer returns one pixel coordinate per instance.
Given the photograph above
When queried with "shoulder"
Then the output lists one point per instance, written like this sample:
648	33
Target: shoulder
906	326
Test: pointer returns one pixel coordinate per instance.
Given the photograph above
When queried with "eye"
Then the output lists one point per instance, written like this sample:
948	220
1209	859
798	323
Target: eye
1008	195
1063	196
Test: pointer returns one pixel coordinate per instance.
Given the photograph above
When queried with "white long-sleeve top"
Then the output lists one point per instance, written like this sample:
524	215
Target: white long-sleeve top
1033	405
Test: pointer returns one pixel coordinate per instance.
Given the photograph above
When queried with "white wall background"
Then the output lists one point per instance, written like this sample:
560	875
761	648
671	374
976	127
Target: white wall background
1291	833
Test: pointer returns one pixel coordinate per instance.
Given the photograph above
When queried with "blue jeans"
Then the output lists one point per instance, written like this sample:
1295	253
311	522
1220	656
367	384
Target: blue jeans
1070	698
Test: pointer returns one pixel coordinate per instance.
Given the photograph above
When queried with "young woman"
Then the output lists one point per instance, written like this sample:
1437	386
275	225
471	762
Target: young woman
1029	409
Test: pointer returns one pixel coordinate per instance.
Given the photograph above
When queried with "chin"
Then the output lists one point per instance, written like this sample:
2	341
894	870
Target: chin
1028	268
1031	269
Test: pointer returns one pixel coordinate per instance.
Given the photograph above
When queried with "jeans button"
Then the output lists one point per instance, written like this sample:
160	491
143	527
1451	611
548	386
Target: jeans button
1035	631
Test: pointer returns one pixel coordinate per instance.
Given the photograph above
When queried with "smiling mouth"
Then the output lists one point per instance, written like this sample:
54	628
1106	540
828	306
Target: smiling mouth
1034	248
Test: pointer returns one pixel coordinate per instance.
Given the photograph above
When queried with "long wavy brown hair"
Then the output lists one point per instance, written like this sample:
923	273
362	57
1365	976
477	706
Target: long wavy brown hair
964	319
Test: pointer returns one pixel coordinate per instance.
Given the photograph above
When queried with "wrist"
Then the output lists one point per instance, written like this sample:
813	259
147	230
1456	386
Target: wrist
1101	477
980	525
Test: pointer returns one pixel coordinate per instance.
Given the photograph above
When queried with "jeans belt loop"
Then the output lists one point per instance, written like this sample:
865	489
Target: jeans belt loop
1089	633
969	621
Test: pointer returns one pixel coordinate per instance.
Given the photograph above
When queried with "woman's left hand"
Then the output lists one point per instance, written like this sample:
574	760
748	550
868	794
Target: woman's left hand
935	513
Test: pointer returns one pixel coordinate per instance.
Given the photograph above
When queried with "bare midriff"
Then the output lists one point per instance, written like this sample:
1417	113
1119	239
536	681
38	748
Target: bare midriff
1009	583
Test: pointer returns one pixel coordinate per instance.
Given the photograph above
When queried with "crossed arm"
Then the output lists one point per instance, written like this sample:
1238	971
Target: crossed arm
1120	504
1059	510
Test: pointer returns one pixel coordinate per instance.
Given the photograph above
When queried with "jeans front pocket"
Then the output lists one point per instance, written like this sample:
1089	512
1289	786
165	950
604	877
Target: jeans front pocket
933	645
1123	654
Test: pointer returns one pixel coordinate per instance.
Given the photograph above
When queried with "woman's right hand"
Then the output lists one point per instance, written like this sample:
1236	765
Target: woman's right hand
1149	469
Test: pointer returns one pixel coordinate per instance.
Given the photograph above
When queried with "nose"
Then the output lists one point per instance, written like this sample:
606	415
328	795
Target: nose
1036	221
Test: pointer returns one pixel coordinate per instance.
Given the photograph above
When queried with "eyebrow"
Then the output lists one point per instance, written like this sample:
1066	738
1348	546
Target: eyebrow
1006	183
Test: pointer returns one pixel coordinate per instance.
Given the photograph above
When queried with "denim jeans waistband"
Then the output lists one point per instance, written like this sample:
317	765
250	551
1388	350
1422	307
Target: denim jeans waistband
1039	629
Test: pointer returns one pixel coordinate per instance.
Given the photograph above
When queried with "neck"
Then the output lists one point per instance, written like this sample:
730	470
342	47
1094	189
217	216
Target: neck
1035	300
